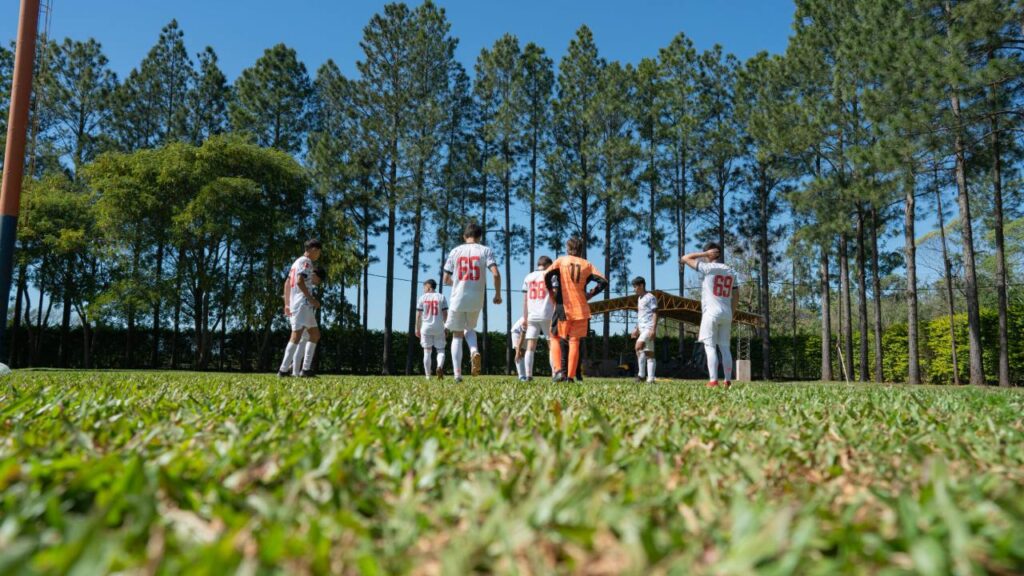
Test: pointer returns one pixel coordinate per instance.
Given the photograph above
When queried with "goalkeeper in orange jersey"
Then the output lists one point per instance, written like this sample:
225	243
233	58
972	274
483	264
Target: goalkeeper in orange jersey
573	273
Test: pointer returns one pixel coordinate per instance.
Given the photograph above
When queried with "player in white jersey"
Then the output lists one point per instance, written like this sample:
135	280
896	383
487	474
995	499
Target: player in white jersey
431	314
645	331
719	295
463	271
300	307
538	308
518	336
319	275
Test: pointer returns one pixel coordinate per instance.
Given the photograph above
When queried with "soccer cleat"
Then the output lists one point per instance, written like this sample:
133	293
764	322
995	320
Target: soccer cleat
440	373
727	384
558	377
713	384
307	374
475	362
523	379
650	380
638	378
458	379
284	373
529	378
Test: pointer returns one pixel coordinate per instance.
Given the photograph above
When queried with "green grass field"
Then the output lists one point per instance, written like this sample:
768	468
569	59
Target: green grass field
144	473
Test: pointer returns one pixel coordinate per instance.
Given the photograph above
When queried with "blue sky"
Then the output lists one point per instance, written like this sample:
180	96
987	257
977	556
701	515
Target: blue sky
319	30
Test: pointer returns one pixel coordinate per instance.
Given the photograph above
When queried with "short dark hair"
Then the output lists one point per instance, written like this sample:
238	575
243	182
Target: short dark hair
544	261
321	273
639	281
473	230
574	246
432	283
313	243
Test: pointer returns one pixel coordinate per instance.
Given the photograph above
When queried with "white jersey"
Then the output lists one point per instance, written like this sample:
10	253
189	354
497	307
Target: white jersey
466	265
646	308
302	268
716	286
430	306
540	306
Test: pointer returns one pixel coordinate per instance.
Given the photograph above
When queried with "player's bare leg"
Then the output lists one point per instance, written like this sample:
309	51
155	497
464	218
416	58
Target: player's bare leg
457	337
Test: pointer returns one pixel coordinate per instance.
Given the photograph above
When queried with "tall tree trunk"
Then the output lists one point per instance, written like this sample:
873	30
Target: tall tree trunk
225	301
847	308
765	291
910	256
482	337
154	353
606	329
997	193
509	359
681	233
179	274
389	291
366	272
129	343
826	317
948	269
651	219
65	323
533	198
876	292
414	289
977	370
862	296
12	357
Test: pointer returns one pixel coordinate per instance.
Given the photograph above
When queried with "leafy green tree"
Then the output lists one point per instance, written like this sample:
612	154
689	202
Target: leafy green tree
208	100
76	91
385	99
650	109
499	89
538	85
271	100
571	165
6	77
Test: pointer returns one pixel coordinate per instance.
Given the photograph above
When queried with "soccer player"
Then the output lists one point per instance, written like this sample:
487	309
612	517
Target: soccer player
538	309
463	271
719	296
646	324
300	307
518	334
574	273
431	314
319	275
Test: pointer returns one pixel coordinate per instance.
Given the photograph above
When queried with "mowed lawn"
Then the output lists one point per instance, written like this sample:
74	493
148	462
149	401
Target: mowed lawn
185	473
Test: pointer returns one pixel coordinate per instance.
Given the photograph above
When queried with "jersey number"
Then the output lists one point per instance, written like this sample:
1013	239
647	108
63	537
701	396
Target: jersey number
469	268
723	286
574	273
430	308
537	291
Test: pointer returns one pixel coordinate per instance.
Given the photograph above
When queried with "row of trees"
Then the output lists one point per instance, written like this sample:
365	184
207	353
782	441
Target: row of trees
799	163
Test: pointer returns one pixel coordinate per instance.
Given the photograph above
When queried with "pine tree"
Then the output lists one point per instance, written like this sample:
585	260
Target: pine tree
538	86
208	100
272	100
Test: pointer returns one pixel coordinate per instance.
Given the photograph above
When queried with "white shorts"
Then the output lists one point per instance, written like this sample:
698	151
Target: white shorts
537	328
715	329
303	317
647	342
461	321
428	341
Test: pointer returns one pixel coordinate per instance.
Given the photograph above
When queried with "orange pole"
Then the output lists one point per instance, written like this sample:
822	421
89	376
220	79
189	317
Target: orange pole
14	155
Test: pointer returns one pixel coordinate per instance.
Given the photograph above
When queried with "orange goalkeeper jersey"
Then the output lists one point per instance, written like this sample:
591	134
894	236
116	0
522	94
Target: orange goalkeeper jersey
573	275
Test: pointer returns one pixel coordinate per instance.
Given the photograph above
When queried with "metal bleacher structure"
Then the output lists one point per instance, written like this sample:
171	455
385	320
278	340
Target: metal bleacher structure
687	312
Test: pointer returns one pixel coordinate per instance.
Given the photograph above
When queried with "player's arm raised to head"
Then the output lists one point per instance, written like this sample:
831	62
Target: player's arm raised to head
693	259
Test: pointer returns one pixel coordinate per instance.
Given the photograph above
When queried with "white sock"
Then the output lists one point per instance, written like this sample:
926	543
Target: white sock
289	351
641	365
528	357
426	361
300	354
650	369
308	362
457	356
471	340
440	359
712	354
521	367
727	361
